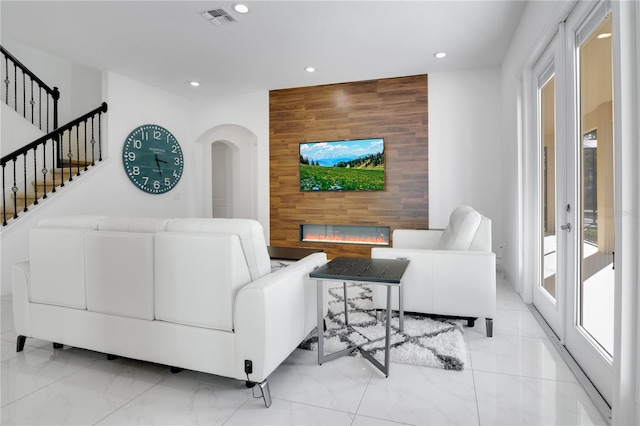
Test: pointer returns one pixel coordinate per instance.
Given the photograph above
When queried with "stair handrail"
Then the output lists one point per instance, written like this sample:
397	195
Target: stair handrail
57	137
54	93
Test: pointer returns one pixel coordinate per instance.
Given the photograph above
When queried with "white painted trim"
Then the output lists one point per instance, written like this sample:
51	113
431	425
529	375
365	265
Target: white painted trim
626	94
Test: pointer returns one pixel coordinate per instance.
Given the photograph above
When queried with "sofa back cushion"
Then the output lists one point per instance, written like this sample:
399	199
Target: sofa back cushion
119	273
197	278
461	229
57	257
249	231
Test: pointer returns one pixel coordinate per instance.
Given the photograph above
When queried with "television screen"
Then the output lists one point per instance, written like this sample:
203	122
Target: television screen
347	165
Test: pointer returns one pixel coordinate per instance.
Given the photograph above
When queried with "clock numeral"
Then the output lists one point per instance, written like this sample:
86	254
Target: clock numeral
156	134
156	184
175	174
167	182
174	149
146	179
136	170
176	161
144	135
131	156
137	143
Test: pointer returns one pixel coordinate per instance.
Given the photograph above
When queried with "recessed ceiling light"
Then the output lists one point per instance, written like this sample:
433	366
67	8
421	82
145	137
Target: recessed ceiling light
241	8
194	83
310	69
604	35
440	55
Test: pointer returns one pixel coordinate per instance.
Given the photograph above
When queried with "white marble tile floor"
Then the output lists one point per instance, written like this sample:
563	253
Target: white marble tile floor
514	378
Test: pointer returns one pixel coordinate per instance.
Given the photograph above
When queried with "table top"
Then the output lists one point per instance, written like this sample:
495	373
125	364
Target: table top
360	269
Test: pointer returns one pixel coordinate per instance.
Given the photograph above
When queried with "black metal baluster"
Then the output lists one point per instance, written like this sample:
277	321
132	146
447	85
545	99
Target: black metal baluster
47	114
14	189
93	143
32	102
24	168
54	144
40	107
44	168
86	162
6	80
35	175
78	149
4	197
24	95
15	87
69	157
100	136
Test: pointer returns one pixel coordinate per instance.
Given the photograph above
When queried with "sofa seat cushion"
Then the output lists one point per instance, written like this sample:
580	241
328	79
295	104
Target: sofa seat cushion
119	273
197	278
461	230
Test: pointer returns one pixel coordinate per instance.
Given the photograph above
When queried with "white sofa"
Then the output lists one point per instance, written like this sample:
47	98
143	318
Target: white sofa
452	272
196	294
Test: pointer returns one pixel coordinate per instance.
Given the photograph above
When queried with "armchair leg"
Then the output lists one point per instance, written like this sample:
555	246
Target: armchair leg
489	324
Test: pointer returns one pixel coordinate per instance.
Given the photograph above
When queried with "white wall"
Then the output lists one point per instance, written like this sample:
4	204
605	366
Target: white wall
465	158
247	111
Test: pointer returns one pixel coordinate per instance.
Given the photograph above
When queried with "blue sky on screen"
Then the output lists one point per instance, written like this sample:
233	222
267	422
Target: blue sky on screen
329	153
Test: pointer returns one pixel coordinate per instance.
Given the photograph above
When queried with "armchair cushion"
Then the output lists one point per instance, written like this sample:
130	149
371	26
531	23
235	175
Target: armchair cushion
459	233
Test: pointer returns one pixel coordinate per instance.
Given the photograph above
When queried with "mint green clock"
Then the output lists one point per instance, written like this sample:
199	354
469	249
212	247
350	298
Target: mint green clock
152	159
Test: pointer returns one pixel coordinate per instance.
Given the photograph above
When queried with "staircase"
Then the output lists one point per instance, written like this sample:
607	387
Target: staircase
34	172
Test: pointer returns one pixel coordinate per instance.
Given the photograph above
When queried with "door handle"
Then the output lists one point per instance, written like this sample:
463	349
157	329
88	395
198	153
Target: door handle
566	227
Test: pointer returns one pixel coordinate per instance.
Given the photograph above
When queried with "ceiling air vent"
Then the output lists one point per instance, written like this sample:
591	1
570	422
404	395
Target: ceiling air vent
218	16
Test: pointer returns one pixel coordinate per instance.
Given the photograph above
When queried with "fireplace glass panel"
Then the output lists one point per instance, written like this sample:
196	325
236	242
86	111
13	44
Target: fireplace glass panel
345	234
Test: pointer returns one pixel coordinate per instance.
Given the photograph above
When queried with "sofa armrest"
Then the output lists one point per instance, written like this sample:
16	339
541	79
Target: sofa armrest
425	239
443	282
272	316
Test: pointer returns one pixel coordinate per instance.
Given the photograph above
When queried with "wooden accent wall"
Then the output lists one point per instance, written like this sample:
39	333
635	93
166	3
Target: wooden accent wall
394	109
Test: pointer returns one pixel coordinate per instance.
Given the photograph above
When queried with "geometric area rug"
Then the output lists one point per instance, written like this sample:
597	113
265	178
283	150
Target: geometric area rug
425	341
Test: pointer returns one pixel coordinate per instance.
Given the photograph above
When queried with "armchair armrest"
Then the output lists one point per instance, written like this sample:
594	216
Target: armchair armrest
273	315
426	239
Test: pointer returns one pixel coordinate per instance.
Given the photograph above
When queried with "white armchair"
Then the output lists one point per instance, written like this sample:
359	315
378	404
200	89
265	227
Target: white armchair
452	272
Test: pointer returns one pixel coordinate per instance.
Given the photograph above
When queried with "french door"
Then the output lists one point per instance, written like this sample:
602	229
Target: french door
574	289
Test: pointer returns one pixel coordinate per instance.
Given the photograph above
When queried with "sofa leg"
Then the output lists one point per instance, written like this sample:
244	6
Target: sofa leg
57	345
489	323
20	343
264	388
266	393
111	357
176	370
471	322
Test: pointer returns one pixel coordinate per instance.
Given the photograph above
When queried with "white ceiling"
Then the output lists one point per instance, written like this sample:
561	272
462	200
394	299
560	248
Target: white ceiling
168	43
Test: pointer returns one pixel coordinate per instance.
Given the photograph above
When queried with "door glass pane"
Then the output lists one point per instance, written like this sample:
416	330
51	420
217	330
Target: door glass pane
596	292
548	184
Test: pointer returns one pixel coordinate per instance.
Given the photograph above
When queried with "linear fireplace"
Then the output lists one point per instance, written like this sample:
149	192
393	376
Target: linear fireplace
345	234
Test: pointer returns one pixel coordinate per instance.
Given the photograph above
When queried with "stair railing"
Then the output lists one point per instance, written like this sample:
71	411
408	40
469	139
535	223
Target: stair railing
19	91
78	142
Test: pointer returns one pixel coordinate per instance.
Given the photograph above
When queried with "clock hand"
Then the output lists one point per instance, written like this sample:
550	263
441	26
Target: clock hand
158	164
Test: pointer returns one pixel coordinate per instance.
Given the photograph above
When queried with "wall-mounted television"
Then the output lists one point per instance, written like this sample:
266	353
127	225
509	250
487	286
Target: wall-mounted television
342	165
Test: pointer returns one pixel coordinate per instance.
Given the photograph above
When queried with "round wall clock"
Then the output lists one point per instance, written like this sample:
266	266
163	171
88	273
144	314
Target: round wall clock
152	158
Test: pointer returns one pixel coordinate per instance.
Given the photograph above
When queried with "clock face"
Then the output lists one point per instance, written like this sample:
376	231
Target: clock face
152	158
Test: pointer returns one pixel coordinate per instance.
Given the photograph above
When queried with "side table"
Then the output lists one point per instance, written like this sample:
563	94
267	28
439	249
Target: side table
387	272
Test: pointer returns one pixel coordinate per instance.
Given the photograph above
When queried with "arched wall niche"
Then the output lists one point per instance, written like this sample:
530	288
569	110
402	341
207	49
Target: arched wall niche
239	146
